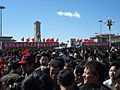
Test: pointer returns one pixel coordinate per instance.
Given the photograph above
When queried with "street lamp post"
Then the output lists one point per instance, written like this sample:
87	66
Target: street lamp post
109	23
100	30
1	8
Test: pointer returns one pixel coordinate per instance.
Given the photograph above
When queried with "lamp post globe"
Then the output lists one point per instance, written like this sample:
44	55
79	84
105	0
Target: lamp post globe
109	23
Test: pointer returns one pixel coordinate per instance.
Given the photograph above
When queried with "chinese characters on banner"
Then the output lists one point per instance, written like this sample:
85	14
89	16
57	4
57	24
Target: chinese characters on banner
94	44
29	44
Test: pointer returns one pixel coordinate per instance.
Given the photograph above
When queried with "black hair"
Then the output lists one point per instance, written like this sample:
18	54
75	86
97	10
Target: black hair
44	54
117	76
66	77
116	64
38	80
57	63
13	63
79	69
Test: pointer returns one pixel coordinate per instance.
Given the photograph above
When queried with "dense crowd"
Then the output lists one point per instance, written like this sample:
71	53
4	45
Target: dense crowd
60	69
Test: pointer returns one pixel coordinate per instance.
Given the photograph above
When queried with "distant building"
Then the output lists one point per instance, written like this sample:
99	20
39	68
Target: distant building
71	43
6	39
104	38
37	31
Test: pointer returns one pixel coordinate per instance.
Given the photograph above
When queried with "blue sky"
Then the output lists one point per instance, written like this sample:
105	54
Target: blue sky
63	19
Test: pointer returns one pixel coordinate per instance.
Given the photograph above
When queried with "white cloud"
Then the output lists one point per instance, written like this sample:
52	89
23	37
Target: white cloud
69	14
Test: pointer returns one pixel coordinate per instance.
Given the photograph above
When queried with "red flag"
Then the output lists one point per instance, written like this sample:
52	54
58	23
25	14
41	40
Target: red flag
28	39
91	40
22	39
80	40
77	40
47	40
33	39
52	40
86	40
57	40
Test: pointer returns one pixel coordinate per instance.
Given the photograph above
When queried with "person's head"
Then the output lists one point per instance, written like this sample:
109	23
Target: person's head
66	78
27	63
37	57
94	72
117	80
44	59
2	62
70	64
15	66
38	80
92	57
54	55
103	56
113	70
78	71
55	66
113	57
76	55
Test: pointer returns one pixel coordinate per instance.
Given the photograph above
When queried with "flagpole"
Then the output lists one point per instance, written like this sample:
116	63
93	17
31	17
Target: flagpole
100	21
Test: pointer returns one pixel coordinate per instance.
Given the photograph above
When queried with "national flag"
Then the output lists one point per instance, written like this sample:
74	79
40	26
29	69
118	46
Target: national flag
86	40
80	40
22	39
33	39
91	40
52	40
77	40
28	39
47	40
56	40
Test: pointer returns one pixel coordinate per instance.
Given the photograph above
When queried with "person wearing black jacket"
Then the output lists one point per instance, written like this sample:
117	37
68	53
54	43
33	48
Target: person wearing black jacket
37	80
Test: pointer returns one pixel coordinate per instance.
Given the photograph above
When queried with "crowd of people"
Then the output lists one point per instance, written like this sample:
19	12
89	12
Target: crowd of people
60	69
